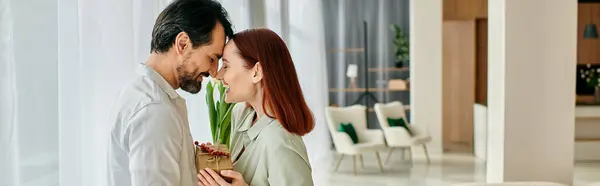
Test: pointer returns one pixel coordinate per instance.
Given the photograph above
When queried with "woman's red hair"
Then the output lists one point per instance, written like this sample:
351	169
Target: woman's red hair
282	95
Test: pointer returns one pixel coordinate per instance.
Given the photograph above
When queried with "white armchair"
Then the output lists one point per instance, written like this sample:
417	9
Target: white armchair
398	137
370	141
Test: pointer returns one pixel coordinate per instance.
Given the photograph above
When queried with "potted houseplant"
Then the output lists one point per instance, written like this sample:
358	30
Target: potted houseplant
401	46
592	77
216	155
219	113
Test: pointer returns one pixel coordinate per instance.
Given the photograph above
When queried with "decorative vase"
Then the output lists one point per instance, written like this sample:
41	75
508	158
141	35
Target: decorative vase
597	94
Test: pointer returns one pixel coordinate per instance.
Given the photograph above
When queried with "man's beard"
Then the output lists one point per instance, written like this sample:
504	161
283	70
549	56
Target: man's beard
188	81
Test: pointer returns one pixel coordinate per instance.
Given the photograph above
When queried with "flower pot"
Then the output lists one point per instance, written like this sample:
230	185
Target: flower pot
399	64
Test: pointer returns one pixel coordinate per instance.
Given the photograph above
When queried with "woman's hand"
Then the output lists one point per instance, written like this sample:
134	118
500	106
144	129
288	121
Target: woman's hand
208	177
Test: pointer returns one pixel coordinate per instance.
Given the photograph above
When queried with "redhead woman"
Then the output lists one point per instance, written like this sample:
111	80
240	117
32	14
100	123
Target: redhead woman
270	116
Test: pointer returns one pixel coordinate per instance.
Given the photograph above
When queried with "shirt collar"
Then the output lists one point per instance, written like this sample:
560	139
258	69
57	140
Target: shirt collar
254	130
149	72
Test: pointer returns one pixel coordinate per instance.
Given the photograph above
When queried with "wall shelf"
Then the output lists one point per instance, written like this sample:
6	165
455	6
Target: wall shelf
388	69
358	50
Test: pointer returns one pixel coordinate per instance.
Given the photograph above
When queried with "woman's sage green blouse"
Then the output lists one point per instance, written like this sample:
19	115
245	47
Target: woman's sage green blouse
265	153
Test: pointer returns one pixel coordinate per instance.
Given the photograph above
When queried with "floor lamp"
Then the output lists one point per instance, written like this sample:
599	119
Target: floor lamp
366	94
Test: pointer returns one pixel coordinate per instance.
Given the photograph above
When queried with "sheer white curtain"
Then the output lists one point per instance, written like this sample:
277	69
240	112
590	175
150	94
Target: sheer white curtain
62	65
239	13
306	41
99	45
29	89
8	154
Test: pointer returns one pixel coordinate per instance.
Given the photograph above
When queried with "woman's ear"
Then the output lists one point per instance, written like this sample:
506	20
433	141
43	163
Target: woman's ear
258	73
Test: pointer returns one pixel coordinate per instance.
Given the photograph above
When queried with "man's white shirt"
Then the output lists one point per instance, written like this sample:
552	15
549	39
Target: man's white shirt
150	141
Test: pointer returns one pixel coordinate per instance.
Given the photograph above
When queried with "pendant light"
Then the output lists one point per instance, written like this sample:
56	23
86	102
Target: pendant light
591	30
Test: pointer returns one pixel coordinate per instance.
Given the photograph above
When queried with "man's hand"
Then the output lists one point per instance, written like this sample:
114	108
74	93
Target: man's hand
208	177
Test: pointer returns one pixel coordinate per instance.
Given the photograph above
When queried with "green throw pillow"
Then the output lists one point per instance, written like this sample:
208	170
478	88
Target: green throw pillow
400	123
349	129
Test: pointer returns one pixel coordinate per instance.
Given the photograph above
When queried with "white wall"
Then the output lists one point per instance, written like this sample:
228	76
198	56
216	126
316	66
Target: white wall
532	54
426	68
496	98
480	131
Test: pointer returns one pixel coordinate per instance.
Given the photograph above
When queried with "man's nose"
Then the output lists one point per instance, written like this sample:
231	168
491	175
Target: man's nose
219	75
213	70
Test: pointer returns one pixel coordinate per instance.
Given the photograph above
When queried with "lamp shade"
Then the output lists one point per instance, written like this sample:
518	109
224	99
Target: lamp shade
352	71
590	31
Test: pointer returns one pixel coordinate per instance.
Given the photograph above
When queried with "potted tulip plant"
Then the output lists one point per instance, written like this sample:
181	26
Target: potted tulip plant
216	155
219	113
